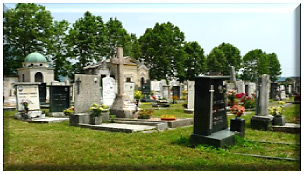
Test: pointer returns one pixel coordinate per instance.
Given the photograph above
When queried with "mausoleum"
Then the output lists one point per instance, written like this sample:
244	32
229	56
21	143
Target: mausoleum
35	68
134	71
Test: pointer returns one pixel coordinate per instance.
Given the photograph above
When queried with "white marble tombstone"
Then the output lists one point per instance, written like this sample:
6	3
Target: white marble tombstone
282	92
240	86
155	86
27	92
190	97
129	90
108	90
166	92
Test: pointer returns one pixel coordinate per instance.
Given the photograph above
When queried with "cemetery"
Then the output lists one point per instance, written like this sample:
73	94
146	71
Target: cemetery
211	121
117	110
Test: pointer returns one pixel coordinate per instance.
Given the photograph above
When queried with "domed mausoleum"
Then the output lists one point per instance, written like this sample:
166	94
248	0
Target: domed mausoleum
36	68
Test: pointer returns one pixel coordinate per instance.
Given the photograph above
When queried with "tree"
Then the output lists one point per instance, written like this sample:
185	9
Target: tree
58	49
87	40
195	61
117	36
232	55
161	48
255	63
274	67
27	29
216	61
135	47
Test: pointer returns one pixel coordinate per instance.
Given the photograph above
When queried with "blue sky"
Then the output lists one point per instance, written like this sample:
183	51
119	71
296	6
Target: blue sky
270	27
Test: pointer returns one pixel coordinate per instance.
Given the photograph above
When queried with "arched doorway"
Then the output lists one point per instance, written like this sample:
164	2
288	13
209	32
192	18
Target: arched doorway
142	81
38	77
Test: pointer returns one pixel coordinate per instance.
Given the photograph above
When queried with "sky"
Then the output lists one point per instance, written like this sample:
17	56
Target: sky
272	27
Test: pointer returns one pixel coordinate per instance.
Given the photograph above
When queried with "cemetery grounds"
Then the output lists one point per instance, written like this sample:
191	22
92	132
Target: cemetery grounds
58	146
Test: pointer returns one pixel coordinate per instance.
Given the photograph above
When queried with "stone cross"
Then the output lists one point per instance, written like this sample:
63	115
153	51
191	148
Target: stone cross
78	81
119	61
211	105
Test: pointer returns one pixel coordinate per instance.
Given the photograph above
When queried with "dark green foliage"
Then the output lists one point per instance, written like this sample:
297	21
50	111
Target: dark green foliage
87	41
26	29
161	49
232	55
255	63
274	67
216	62
195	61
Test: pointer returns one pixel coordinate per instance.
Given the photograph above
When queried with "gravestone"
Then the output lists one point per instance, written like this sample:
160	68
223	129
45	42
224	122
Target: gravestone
210	118
59	99
42	93
240	86
155	86
86	92
249	88
146	91
274	91
129	90
190	97
121	107
282	92
108	90
28	92
166	92
230	86
261	119
176	91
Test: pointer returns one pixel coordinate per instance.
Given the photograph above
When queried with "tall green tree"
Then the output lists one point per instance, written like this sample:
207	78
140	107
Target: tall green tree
195	61
161	48
58	49
87	40
274	67
216	61
26	28
117	36
135	47
255	63
232	55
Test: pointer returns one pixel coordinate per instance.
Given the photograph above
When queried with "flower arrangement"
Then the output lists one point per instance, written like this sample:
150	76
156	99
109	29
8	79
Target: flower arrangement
145	114
240	95
238	110
276	111
183	97
167	117
282	102
69	111
249	102
231	95
184	92
95	110
25	103
105	108
138	95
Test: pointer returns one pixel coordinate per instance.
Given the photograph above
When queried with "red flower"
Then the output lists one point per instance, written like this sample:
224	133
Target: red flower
154	98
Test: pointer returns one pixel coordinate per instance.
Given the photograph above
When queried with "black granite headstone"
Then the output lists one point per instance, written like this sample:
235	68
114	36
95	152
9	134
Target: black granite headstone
176	91
210	118
42	93
59	98
274	91
146	90
247	90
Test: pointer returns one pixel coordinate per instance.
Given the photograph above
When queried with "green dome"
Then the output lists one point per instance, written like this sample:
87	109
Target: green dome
35	57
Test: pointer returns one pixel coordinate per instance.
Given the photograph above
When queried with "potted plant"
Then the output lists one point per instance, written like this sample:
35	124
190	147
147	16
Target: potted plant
95	116
167	117
276	112
238	124
137	95
231	97
25	103
69	111
175	97
105	113
145	114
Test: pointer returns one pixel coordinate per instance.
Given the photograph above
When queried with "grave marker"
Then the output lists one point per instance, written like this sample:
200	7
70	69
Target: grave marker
210	118
59	99
108	90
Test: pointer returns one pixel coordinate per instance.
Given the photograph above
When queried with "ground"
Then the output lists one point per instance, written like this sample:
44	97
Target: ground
58	146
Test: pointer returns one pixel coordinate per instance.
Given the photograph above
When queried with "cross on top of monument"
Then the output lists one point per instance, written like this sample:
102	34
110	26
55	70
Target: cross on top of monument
119	61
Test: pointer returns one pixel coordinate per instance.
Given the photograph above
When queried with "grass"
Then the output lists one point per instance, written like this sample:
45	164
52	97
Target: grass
58	146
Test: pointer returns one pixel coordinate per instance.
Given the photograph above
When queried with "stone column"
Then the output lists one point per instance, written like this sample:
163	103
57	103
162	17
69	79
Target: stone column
232	75
261	119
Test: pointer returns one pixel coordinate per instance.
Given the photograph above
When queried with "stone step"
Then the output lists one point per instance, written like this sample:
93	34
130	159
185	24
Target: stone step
288	128
118	127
